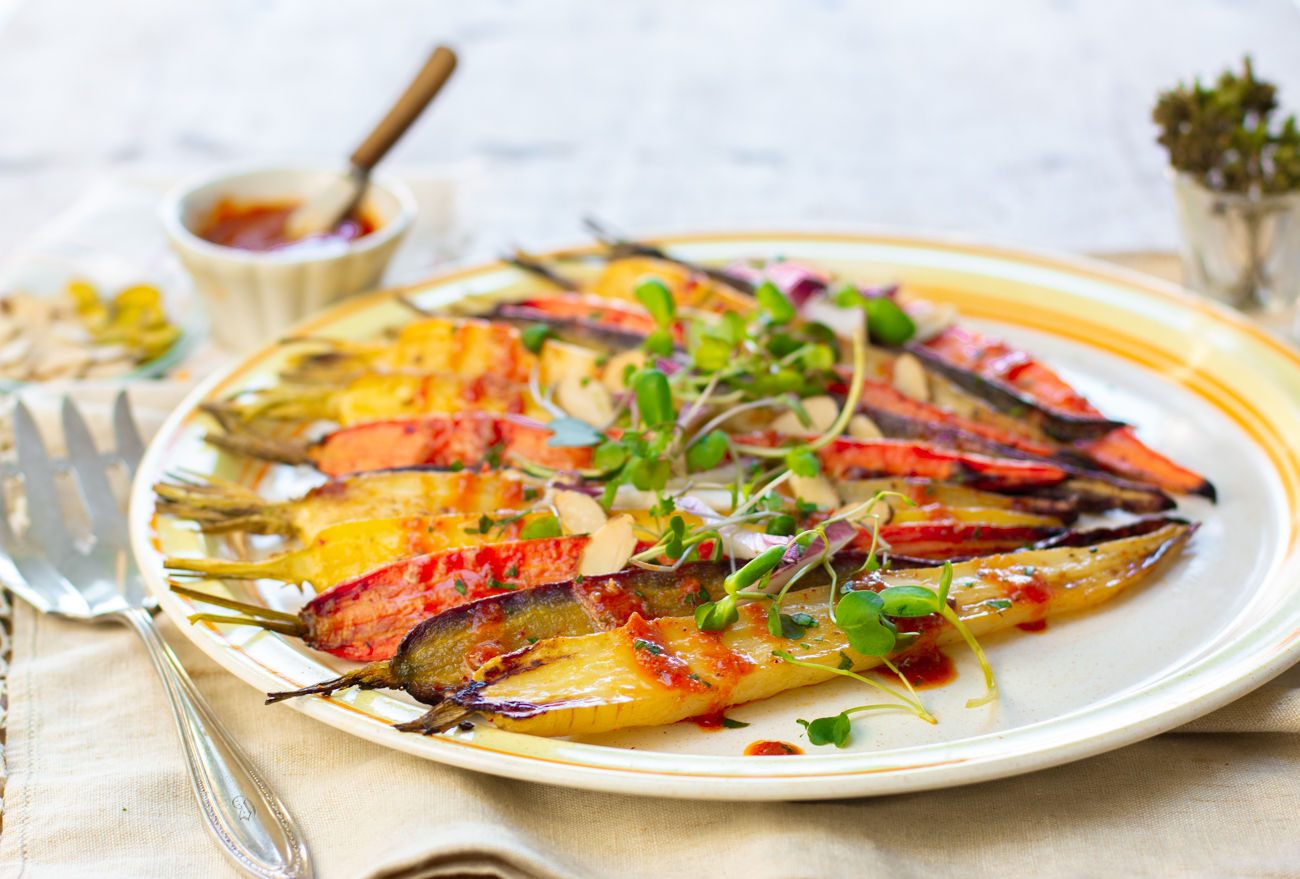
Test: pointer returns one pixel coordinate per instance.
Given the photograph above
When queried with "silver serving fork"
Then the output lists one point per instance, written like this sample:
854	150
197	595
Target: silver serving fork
100	581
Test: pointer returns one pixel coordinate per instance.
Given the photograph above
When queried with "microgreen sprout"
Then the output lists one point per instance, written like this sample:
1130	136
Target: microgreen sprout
831	729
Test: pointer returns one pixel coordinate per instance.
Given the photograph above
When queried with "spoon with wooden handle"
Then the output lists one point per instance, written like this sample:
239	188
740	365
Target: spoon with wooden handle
324	210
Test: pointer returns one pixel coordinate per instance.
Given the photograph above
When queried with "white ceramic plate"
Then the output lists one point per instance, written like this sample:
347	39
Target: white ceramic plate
1201	385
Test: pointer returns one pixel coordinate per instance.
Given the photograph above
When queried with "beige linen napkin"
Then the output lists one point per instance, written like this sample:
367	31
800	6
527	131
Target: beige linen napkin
97	787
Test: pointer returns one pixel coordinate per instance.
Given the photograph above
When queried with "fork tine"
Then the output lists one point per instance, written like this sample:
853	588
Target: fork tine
105	515
130	448
10	576
27	569
42	496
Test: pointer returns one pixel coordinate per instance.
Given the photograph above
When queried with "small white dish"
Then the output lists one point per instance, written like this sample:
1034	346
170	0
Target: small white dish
250	296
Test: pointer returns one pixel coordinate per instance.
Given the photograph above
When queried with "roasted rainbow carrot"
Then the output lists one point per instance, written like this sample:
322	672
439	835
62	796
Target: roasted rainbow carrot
365	618
341	552
464	347
443	651
1014	381
651	672
221	506
463	439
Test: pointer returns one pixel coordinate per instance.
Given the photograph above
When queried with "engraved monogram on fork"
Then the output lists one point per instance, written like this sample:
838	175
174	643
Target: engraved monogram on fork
244	808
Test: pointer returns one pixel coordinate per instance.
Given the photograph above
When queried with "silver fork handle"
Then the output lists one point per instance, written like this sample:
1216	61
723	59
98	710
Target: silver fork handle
248	820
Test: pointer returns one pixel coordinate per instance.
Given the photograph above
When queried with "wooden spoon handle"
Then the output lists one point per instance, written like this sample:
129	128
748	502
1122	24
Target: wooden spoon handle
430	80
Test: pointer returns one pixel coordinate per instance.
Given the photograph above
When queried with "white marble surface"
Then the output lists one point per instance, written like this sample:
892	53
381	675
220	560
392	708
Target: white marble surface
1015	120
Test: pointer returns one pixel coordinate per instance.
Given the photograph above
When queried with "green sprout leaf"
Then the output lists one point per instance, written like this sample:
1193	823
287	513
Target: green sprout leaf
909	601
775	302
818	357
829	730
713	616
609	455
858	616
675	548
803	462
712	355
660	342
945	583
658	300
573	432
707	451
650	474
732	328
534	336
728	723
546	526
886	322
654	398
782	526
784	625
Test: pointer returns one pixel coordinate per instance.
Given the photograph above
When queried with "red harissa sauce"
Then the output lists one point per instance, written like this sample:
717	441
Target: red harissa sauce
933	668
261	227
1033	626
772	749
711	722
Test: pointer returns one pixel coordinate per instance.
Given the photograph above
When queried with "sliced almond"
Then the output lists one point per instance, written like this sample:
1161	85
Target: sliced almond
822	412
561	359
616	366
932	319
15	351
60	362
909	378
863	428
579	513
585	399
610	547
815	490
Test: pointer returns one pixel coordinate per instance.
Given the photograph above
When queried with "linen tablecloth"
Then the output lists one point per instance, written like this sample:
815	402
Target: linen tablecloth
97	787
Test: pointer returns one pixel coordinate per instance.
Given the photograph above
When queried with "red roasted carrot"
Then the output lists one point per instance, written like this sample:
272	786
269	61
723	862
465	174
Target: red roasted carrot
366	617
944	541
609	312
994	359
846	458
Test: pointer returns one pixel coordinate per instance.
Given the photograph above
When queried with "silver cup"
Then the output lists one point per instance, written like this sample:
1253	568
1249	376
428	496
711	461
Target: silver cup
1243	250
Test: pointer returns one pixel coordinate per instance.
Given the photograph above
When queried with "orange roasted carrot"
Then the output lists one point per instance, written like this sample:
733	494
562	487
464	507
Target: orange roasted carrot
878	397
461	439
847	458
1005	375
1120	451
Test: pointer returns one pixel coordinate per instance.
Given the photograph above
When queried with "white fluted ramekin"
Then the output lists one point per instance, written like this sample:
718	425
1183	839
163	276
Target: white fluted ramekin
250	296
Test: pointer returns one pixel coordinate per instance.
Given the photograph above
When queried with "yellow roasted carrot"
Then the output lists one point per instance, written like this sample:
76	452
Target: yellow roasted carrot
222	506
346	550
465	347
341	552
378	396
661	671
